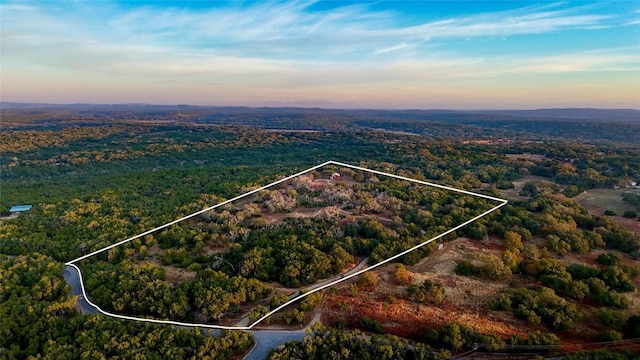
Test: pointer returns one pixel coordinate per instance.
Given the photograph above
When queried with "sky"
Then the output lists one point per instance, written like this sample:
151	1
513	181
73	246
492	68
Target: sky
329	54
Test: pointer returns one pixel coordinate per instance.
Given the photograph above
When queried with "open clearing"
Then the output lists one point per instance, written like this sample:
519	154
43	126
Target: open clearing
465	298
527	156
514	194
599	200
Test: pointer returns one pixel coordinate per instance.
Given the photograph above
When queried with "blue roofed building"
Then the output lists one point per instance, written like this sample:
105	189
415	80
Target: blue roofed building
17	209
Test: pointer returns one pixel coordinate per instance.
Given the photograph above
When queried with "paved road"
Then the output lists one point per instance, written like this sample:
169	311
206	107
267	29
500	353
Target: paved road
265	339
72	278
269	339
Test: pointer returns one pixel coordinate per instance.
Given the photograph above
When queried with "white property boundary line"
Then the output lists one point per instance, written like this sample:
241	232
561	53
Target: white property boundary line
502	202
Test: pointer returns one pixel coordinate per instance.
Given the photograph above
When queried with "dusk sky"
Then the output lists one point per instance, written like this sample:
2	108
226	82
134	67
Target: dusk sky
378	54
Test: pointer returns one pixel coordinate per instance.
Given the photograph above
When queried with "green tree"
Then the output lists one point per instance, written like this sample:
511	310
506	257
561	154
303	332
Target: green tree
452	336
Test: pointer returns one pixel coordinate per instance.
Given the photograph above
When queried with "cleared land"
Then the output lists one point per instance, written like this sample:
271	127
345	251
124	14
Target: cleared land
599	200
465	298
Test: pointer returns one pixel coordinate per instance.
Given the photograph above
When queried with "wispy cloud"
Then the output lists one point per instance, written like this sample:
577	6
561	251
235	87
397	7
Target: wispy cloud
402	46
276	28
290	44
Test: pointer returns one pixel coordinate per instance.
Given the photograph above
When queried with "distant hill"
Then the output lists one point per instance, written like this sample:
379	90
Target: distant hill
619	125
574	113
434	114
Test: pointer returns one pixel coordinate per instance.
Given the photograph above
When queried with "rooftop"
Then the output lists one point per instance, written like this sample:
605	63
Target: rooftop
20	208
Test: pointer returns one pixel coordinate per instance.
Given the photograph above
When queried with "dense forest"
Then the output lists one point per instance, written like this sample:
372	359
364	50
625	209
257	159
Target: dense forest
97	177
40	321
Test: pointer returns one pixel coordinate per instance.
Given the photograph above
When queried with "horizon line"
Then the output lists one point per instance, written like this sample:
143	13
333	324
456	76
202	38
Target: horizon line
33	105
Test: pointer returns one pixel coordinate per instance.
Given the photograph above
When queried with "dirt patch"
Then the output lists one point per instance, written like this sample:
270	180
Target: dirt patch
527	156
174	274
443	262
632	225
465	298
211	249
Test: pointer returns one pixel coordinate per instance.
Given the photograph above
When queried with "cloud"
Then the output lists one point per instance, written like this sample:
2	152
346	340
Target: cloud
274	29
287	47
402	46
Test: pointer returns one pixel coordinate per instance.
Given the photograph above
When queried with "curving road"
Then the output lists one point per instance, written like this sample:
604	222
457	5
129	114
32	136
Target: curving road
269	339
265	340
72	278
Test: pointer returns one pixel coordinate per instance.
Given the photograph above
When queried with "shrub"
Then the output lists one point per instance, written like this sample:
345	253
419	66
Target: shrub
427	292
501	302
609	212
612	299
513	242
293	317
610	319
492	267
342	305
528	315
257	312
577	290
466	268
632	327
452	335
353	290
432	336
369	324
277	300
610	335
309	303
401	275
543	305
609	259
194	267
582	272
617	279
368	279
630	214
538	338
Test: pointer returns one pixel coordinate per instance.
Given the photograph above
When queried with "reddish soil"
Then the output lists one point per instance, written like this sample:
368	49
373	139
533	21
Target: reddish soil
632	225
465	298
408	319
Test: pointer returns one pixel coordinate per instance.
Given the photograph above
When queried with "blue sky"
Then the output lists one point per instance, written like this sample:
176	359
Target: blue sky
337	54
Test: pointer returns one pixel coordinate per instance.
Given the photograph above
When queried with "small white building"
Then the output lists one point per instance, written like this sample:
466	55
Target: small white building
335	176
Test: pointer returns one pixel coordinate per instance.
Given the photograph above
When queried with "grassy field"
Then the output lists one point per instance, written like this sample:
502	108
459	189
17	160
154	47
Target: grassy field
599	200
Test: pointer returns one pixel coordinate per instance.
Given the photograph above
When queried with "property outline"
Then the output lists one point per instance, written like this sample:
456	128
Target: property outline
301	295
